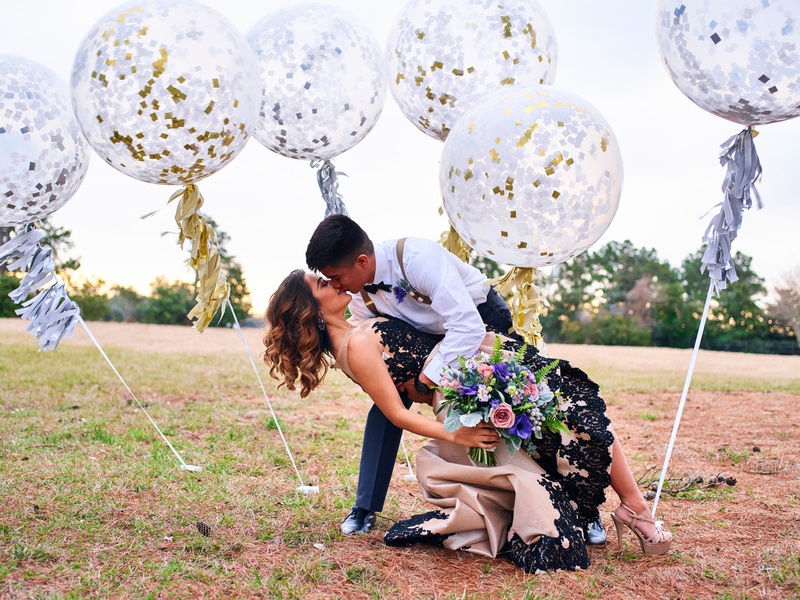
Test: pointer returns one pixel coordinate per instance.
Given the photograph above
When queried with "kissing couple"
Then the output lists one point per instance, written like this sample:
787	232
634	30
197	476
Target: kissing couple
415	309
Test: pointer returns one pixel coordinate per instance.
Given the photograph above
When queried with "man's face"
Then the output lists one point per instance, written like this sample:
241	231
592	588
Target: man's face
349	277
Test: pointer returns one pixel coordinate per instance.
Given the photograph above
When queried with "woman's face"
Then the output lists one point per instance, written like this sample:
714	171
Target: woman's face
328	297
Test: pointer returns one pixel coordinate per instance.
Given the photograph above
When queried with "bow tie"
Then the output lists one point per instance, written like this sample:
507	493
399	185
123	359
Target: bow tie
372	288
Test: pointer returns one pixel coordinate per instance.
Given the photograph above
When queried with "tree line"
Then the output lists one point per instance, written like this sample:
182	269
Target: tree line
167	304
617	295
624	295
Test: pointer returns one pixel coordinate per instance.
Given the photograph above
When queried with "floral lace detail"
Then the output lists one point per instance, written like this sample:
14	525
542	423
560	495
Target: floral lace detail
405	348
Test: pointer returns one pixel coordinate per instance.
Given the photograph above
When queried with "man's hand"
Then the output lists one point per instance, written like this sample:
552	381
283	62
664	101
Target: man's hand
426	380
410	389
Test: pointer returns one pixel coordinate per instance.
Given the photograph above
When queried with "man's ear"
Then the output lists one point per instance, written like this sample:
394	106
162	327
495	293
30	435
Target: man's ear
362	261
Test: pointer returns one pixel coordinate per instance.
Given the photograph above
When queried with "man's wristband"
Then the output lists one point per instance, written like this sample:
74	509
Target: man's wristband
422	389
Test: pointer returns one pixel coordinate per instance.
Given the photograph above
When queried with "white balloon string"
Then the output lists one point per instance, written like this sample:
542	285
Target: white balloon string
184	466
684	395
266	397
408	462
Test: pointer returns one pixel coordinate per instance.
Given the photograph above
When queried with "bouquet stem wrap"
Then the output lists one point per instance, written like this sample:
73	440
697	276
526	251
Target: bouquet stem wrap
744	169
483	456
526	303
212	286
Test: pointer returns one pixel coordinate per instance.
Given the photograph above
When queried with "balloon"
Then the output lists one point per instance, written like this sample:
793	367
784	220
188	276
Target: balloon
531	176
43	156
165	91
322	79
444	55
737	59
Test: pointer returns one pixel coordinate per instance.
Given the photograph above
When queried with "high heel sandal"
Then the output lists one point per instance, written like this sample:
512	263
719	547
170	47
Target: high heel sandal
658	543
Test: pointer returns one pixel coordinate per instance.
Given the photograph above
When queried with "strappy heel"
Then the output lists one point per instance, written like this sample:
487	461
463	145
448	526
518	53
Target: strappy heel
659	543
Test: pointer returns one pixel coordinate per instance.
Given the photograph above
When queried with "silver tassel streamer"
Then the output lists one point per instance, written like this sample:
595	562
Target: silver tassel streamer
52	314
327	179
743	170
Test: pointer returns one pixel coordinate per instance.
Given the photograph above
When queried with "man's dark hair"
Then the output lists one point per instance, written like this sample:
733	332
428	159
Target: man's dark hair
336	241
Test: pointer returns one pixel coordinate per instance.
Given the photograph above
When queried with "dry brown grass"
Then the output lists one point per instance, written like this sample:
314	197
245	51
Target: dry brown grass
93	506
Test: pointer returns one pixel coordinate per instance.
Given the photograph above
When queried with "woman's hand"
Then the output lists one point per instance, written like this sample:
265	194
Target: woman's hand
483	435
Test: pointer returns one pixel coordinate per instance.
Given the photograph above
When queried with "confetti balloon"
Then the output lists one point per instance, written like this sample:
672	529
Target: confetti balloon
166	91
43	156
322	80
737	59
444	55
531	176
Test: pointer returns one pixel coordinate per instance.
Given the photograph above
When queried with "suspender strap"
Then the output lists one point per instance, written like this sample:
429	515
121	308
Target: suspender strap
370	304
414	293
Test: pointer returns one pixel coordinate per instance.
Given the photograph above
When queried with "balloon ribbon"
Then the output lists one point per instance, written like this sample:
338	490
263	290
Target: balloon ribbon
212	285
455	244
51	313
327	179
744	169
526	303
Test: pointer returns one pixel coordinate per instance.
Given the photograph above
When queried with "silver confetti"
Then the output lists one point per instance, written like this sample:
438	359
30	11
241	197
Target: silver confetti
737	59
43	156
166	91
531	176
322	80
444	55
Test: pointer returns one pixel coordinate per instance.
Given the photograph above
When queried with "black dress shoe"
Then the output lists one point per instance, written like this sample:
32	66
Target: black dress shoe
596	535
358	521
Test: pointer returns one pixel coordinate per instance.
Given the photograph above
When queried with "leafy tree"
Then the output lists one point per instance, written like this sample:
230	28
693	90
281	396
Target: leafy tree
487	266
8	283
126	305
169	303
786	307
91	298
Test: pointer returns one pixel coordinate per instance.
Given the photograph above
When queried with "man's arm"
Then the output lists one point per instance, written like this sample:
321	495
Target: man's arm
431	273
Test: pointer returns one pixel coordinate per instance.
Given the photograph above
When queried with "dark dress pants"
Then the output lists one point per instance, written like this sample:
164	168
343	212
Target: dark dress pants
382	438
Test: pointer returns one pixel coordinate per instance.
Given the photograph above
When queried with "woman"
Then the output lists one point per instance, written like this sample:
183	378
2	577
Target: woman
533	510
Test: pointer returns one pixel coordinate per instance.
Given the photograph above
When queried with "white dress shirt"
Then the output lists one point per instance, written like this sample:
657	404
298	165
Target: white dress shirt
454	287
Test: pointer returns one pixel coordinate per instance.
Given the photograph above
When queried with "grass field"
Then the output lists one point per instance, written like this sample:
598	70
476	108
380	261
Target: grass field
95	506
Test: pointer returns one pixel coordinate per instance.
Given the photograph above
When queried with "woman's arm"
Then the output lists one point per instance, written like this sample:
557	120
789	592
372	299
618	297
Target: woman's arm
364	356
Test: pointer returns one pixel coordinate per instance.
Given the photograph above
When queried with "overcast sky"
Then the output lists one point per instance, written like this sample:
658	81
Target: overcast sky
270	204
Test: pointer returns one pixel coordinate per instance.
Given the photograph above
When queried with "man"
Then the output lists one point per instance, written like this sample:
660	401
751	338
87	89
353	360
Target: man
422	283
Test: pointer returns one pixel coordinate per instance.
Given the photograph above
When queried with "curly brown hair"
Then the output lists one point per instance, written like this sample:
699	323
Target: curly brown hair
296	349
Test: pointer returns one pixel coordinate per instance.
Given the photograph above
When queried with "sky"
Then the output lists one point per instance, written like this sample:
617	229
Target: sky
270	205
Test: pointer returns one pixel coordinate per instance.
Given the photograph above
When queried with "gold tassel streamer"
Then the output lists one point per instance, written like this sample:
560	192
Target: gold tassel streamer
453	242
526	303
212	286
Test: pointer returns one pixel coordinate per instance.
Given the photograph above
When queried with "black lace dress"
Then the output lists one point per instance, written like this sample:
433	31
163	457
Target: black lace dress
531	509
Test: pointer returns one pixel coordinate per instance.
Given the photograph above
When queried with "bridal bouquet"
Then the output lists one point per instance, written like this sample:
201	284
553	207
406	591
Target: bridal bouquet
504	392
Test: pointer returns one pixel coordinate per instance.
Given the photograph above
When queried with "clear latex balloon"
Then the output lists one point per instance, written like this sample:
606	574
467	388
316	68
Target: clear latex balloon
43	156
322	81
444	55
166	91
531	176
737	59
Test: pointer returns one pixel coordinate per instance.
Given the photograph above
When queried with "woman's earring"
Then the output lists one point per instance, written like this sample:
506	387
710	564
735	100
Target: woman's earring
321	322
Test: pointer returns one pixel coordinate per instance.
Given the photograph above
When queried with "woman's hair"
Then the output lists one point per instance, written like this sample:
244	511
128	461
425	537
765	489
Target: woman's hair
296	349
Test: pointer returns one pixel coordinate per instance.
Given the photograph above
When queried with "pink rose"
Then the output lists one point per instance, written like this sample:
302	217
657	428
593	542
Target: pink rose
531	390
455	384
502	416
486	372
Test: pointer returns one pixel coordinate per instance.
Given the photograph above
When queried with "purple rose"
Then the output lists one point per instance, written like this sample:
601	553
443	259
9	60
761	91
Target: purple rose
522	427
